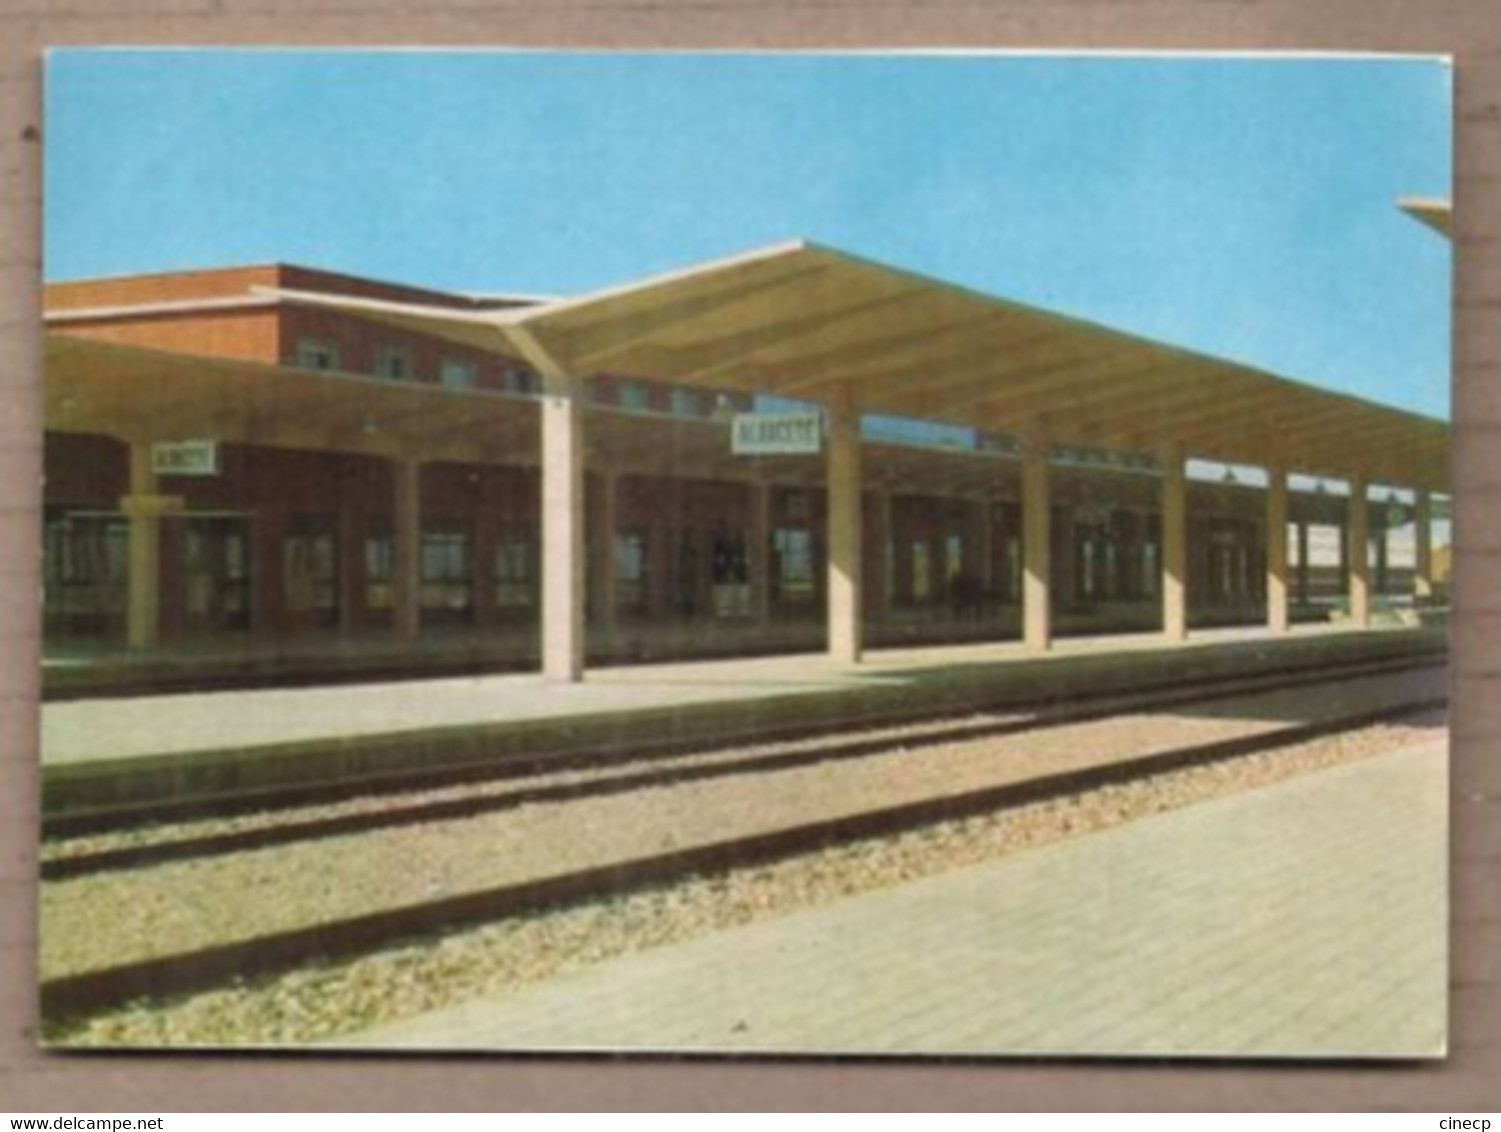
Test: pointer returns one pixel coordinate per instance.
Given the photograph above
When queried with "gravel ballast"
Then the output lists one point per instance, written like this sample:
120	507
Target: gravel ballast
94	922
322	1002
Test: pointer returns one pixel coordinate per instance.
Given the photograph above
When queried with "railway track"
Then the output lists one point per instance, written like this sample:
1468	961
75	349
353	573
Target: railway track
420	856
856	737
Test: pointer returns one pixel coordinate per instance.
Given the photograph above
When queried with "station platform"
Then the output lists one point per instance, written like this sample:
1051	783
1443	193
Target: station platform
115	751
1305	919
91	669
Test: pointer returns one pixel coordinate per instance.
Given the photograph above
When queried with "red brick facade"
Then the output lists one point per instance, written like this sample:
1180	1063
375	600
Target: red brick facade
294	540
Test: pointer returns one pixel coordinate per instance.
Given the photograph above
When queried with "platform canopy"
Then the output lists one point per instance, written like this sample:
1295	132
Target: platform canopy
129	391
1437	214
803	321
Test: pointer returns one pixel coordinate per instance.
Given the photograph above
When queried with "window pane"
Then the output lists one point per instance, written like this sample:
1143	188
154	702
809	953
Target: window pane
514	556
458	373
314	353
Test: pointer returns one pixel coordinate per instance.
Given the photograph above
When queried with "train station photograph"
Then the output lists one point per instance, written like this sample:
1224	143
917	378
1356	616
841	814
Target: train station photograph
899	554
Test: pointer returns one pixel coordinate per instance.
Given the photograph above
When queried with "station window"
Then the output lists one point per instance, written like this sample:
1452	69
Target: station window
519	379
86	558
458	373
218	573
446	570
922	571
310	565
687	403
635	395
1123	553
795	565
1094	562
394	363
630	570
317	353
515	568
380	571
1013	587
953	558
1229	561
730	572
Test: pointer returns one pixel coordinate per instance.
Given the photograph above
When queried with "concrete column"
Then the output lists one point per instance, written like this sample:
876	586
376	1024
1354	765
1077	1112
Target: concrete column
1358	554
1422	518
1174	546
760	553
1277	618
144	509
563	580
845	629
406	535
1037	609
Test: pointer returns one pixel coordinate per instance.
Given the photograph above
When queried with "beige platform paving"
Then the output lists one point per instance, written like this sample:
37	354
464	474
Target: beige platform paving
1305	919
118	730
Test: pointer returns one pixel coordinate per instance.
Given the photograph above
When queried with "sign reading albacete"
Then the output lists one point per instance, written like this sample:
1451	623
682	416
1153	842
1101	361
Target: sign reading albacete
776	434
185	458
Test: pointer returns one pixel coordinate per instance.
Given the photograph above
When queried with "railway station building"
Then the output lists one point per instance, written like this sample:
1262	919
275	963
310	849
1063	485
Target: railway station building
794	448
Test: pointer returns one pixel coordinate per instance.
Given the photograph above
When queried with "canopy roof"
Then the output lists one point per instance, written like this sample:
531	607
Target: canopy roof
135	393
804	321
1437	214
794	320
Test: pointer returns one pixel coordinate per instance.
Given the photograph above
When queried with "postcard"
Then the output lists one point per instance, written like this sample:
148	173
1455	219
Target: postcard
884	553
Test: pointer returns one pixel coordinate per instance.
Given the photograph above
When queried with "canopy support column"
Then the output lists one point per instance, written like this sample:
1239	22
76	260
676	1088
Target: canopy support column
1037	598
407	547
1359	554
144	509
845	615
563	559
1277	618
1174	546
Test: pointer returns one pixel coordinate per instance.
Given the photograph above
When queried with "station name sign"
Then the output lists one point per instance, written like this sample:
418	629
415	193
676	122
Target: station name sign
776	434
185	458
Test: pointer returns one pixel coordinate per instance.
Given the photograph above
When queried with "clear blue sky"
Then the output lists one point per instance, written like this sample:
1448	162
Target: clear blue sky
1244	207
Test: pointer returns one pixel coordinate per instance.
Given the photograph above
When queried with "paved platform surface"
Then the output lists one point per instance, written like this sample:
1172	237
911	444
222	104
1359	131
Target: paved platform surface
81	669
1305	919
107	730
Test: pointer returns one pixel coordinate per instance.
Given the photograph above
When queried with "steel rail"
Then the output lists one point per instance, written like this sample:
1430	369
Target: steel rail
277	953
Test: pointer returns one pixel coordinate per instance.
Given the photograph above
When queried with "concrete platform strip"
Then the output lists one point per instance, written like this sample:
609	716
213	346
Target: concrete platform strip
1302	920
125	753
544	779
